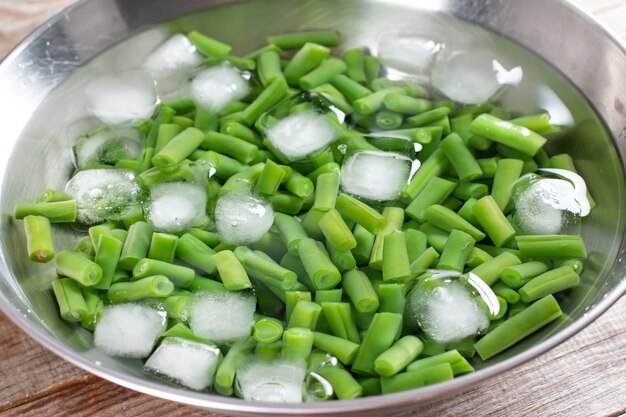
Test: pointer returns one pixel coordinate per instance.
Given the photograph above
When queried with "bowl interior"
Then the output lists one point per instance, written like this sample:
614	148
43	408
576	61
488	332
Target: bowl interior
40	157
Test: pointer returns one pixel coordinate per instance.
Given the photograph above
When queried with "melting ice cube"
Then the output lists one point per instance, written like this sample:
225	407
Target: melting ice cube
216	87
447	311
408	53
107	146
301	134
277	381
242	218
128	330
549	205
125	98
471	76
172	62
223	316
103	194
190	363
375	175
176	206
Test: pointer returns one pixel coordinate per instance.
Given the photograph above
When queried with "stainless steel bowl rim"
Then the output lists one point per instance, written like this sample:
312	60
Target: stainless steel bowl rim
229	404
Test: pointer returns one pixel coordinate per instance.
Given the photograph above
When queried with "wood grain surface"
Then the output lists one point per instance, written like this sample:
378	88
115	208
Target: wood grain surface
586	376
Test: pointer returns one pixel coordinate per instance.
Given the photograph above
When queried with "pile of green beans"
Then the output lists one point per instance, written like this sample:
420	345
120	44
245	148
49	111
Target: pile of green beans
332	275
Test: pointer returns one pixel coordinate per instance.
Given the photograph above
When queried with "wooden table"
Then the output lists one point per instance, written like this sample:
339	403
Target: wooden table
583	377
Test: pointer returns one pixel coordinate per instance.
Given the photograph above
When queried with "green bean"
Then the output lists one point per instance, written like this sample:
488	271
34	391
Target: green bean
267	329
305	60
470	190
262	267
415	243
76	266
379	337
429	117
361	213
297	344
515	328
299	39
164	115
180	276
39	243
205	121
343	260
322	74
336	231
107	256
398	356
319	267
272	94
364	244
460	157
435	165
490	270
435	191
344	385
72	306
457	362
341	321
163	246
508	294
371	68
391	297
157	286
558	246
94	305
388	120
408	105
355	69
516	276
290	230
507	133
371	103
342	349
351	89
394	217
326	191
179	148
448	220
209	46
550	282
268	67
182	122
304	315
270	179
424	261
190	249
564	161
136	245
415	379
232	146
286	203
396	266
576	264
360	291
57	212
242	132
456	252
489	215
166	132
292	298
52	196
508	171
236	356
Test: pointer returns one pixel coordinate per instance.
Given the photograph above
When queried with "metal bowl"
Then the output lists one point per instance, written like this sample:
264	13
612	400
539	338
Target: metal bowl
41	95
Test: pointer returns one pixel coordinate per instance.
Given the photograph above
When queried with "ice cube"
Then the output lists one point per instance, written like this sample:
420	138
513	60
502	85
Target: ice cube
216	87
128	330
447	311
123	99
176	206
107	146
545	206
375	175
276	381
103	194
222	316
407	53
301	134
190	363
471	76
242	218
172	62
